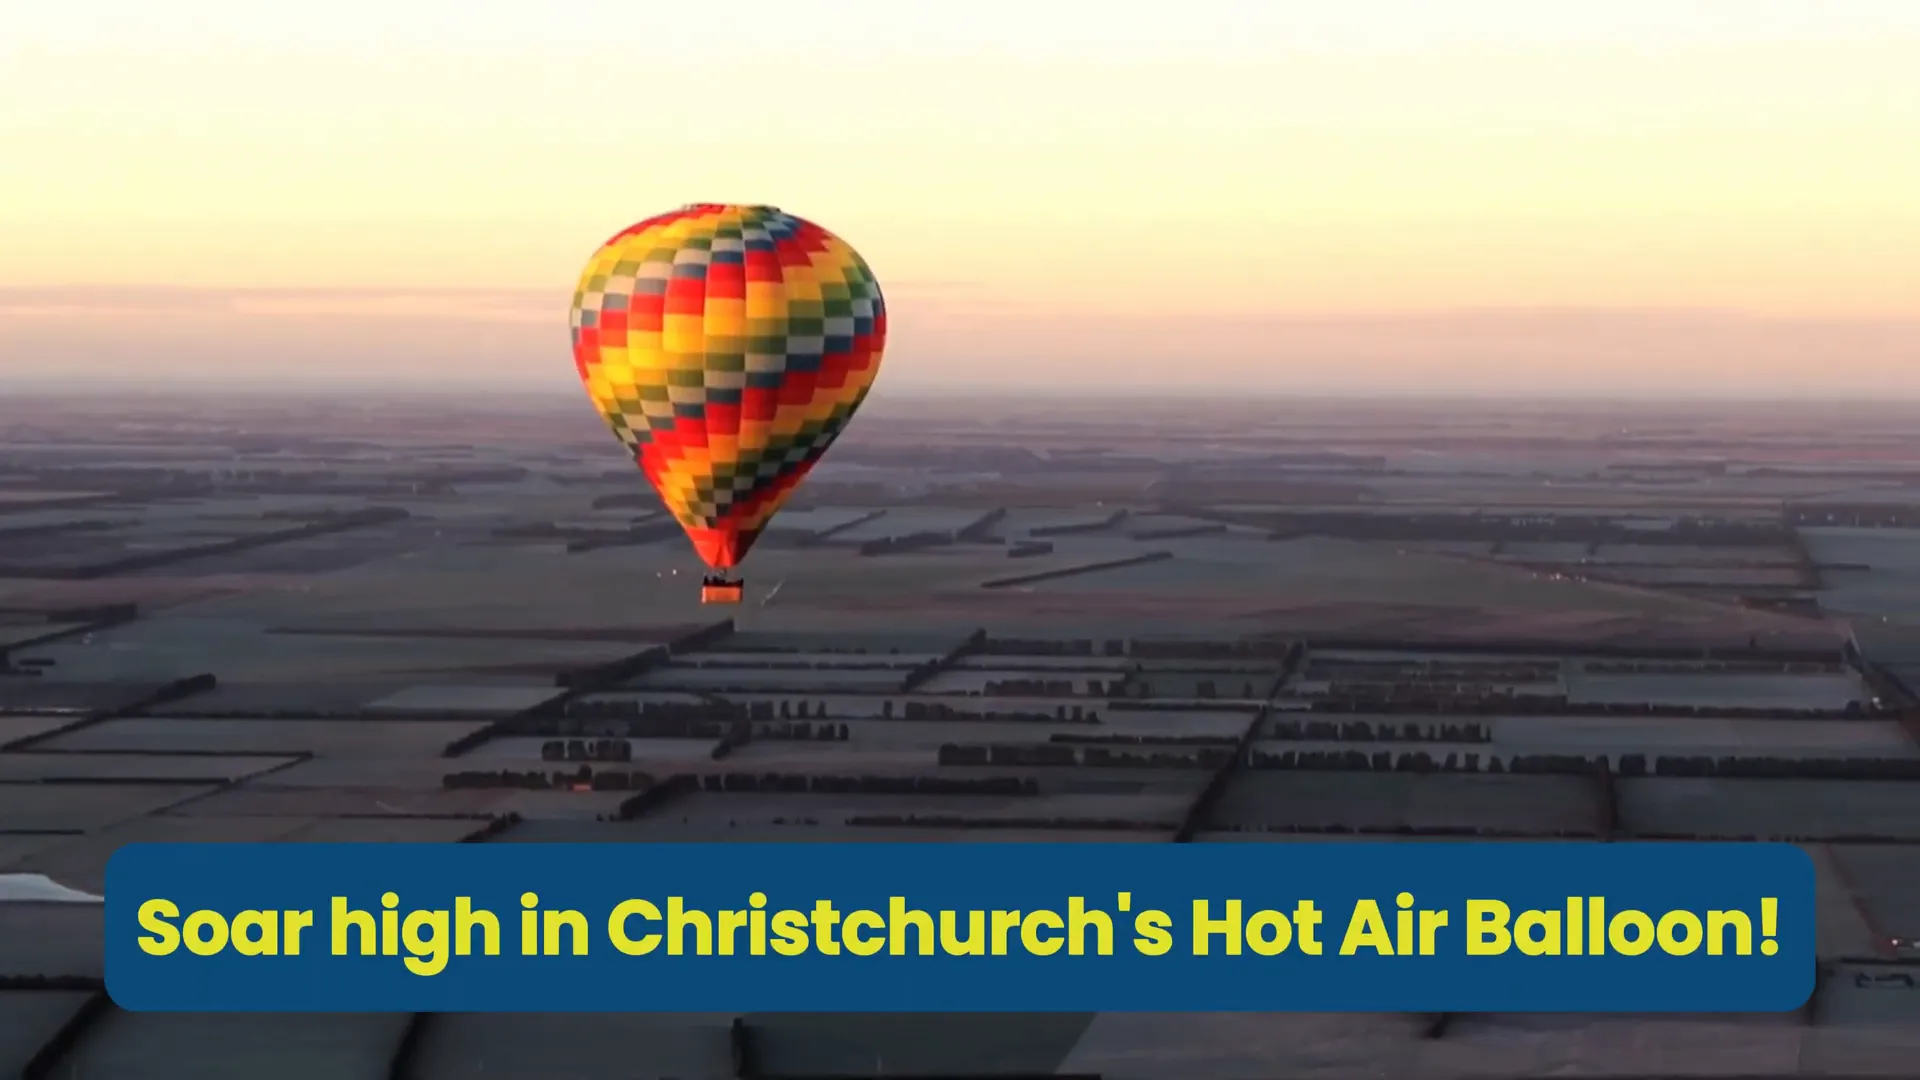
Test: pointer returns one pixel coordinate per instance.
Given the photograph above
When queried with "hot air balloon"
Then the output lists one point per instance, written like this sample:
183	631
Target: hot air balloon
727	347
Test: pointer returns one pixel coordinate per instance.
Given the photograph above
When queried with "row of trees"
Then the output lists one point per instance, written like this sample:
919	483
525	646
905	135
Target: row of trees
941	711
1238	649
1497	706
1041	688
1483	671
1475	831
586	750
1781	767
585	778
1137	739
1364	731
1628	765
738	734
1052	647
715	709
594	745
1443	691
955	821
1723	667
1057	754
868	785
1419	761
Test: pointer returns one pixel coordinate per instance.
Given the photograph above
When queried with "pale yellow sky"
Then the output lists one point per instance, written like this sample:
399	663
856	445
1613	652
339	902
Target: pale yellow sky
1234	189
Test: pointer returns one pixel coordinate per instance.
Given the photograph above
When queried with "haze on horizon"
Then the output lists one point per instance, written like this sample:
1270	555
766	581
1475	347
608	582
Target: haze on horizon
1637	198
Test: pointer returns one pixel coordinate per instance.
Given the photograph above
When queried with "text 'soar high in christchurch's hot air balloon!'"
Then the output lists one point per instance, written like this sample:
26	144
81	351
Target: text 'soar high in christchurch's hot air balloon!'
727	347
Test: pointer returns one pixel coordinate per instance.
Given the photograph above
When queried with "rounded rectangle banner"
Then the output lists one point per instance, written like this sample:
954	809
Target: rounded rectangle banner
1417	927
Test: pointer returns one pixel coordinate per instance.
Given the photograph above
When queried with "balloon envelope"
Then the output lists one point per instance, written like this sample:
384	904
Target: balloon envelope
727	347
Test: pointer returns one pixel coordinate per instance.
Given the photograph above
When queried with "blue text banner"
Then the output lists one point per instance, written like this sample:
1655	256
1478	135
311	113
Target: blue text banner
1326	927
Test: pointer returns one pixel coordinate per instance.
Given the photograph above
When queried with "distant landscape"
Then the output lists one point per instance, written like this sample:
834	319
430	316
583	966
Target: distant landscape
1144	621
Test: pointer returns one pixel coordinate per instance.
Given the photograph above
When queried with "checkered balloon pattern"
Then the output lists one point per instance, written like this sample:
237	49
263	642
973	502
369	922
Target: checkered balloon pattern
727	346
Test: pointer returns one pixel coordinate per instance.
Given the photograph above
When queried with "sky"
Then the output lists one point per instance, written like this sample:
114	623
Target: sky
1629	198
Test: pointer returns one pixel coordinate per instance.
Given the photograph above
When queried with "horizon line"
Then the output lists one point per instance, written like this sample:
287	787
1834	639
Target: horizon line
225	388
68	290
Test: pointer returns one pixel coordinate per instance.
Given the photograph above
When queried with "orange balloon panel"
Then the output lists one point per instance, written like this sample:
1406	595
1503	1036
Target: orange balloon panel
727	346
